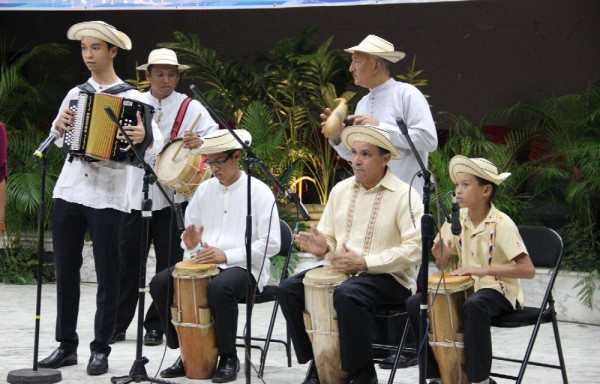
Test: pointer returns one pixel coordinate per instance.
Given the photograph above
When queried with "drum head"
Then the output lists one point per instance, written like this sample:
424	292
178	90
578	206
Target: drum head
168	166
191	268
451	281
324	277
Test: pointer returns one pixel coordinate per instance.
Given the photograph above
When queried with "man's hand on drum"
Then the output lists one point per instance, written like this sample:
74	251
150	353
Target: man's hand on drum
347	261
192	237
65	121
442	251
210	255
191	140
312	241
136	133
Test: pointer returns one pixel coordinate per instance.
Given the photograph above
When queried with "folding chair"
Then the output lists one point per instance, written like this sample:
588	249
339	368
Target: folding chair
545	249
397	311
268	294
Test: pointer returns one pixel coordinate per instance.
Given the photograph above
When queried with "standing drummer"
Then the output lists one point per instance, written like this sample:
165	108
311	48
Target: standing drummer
491	251
366	231
215	234
177	116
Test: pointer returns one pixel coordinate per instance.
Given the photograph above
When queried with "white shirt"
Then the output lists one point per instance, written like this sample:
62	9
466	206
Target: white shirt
385	103
165	113
101	184
222	211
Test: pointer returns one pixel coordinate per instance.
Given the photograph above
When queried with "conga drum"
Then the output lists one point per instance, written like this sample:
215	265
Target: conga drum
446	335
192	318
180	169
320	321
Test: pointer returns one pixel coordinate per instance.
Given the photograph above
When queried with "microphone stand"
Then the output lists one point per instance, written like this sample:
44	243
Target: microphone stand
427	235
251	159
37	375
138	371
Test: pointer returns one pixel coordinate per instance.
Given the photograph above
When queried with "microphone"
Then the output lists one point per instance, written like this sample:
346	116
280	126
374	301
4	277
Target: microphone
455	227
402	126
45	146
301	208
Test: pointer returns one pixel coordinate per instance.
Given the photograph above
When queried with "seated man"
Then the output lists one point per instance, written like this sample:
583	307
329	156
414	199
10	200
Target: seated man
366	231
215	223
491	251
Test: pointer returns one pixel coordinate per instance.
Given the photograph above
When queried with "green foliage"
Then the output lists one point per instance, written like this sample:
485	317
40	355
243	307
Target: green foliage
17	266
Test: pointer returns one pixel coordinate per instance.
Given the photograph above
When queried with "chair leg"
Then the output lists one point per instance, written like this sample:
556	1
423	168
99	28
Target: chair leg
263	356
527	356
399	352
561	359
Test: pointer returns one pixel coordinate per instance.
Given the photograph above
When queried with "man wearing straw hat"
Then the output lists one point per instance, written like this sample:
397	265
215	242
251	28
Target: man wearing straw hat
91	196
366	231
387	100
491	251
177	116
215	223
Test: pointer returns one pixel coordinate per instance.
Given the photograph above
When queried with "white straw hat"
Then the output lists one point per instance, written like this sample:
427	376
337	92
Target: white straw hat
99	30
375	45
222	140
477	167
369	134
163	56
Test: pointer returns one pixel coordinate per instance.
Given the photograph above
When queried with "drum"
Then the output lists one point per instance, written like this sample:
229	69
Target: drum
320	321
180	169
192	318
446	336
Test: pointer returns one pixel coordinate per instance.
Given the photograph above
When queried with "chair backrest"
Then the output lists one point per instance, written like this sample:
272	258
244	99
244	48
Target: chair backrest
286	246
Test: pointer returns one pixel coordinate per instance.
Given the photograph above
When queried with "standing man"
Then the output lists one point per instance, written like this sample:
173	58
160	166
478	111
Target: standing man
386	101
215	234
177	116
91	196
366	231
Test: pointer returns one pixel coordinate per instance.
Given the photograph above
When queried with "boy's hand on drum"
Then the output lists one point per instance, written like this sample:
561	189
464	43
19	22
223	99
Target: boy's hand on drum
347	261
192	237
313	242
471	271
442	251
191	140
210	255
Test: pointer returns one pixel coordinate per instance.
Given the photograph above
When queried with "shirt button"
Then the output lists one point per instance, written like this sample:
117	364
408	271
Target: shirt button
225	211
86	175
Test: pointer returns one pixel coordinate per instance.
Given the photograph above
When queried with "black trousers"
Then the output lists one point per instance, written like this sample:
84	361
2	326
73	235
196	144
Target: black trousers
70	222
165	236
477	313
356	300
224	292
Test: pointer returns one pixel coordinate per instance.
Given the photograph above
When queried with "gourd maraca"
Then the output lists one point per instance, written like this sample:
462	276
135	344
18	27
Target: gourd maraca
333	124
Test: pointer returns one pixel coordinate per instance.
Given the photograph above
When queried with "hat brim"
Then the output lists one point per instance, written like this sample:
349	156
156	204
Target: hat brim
100	31
463	164
222	140
391	56
369	134
180	67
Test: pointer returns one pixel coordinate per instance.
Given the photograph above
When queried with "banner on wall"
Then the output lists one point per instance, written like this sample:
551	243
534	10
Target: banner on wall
78	5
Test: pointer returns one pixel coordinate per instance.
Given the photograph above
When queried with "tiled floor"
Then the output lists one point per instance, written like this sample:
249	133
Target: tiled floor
581	344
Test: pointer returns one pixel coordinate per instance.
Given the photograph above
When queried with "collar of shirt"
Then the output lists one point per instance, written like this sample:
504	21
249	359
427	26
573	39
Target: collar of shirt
166	100
381	88
100	88
492	217
239	183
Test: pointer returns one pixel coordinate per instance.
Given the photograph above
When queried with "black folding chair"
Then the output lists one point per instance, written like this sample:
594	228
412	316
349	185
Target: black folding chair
269	294
545	249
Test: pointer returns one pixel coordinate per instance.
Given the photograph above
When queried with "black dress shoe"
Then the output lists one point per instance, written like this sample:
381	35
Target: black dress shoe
175	370
403	361
116	336
59	358
98	364
312	376
153	337
226	370
365	375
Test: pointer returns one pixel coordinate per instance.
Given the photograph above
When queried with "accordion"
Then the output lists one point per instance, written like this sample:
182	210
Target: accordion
94	134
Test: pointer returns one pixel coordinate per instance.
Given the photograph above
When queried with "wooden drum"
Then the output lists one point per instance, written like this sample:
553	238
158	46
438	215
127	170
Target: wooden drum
446	335
320	321
192	318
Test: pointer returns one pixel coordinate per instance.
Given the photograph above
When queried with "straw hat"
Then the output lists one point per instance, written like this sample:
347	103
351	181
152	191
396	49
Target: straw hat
162	56
377	46
99	30
369	134
222	140
477	167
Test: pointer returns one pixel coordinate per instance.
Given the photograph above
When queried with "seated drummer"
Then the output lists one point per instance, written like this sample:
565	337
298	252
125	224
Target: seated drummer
366	231
215	223
493	254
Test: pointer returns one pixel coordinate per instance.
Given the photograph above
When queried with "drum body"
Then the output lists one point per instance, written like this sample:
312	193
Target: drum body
320	321
180	169
446	335
192	318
